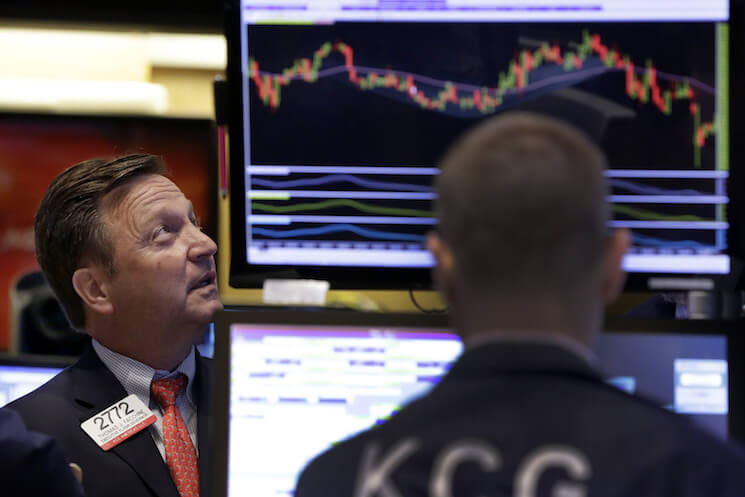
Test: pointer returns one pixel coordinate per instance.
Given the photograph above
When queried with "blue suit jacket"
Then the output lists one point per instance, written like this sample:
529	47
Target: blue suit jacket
132	468
525	419
31	463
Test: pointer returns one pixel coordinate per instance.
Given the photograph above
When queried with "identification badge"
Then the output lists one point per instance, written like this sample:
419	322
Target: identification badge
118	422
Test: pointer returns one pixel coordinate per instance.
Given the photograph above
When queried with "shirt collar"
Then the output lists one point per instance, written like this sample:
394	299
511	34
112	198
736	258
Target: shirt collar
136	377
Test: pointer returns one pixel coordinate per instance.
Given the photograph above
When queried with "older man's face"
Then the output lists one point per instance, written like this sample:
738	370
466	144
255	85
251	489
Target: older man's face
165	268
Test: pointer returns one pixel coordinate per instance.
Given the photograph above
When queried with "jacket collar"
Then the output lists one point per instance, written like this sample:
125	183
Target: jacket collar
494	358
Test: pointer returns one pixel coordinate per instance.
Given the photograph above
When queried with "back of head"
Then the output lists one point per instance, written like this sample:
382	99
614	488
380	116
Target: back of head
522	206
69	224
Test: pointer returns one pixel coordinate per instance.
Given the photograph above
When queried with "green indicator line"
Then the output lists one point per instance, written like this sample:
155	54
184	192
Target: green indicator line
722	112
282	21
645	215
268	195
342	202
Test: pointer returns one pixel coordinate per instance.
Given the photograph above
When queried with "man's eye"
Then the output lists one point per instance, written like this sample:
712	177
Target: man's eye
162	230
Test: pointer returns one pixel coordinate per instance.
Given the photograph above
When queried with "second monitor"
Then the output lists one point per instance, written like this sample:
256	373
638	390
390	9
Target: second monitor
292	384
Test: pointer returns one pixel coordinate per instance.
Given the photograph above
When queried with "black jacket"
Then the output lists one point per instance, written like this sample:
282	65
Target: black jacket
516	419
132	468
31	463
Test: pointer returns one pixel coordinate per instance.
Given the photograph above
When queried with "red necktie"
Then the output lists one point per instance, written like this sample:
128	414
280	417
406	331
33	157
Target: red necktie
181	457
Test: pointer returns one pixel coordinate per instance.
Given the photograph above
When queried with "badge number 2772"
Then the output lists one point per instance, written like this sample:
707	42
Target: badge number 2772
118	422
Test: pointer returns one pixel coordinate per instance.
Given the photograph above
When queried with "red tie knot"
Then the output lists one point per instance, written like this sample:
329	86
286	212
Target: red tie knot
165	390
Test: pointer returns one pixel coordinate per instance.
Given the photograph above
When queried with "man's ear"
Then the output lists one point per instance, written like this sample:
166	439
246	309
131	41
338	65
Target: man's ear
90	284
443	273
614	276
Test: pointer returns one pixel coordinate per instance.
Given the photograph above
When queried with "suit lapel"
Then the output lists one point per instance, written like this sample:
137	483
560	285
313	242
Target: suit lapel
203	389
94	389
142	455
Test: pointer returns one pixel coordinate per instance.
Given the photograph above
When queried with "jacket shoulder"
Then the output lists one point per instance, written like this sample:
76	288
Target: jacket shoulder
52	397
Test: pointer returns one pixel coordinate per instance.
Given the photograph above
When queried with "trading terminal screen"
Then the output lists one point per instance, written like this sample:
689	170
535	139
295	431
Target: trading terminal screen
17	380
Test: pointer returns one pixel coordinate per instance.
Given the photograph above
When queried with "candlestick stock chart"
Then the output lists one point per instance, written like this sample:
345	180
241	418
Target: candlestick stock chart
348	122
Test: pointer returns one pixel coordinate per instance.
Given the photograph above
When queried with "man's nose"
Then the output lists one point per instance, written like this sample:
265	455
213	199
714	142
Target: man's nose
202	245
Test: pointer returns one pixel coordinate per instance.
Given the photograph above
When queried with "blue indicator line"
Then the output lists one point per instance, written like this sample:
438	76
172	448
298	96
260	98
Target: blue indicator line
657	173
254	170
649	241
324	230
669	199
272	194
259	169
262	169
284	220
649	190
671	225
340	178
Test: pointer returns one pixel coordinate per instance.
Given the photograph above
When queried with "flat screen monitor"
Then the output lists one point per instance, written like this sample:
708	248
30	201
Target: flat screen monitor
300	381
21	375
690	367
340	112
292	384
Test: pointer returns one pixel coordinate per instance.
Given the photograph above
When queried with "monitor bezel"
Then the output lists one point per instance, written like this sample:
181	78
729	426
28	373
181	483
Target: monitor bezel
193	16
36	361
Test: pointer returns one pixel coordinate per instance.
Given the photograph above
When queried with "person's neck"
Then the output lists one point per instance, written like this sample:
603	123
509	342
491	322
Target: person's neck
157	355
165	362
548	320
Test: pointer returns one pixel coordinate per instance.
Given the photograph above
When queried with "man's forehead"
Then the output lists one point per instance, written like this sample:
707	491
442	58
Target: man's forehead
145	192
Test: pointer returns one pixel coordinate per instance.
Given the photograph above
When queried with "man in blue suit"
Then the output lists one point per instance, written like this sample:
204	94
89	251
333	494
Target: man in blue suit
31	463
120	246
527	262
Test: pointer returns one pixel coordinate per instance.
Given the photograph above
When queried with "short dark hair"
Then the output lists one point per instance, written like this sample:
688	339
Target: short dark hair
69	224
522	204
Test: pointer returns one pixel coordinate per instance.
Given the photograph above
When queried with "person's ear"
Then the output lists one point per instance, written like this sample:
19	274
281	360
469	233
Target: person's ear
90	284
443	273
614	276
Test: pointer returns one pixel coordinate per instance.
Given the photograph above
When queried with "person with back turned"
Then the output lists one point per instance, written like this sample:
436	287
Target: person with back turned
525	258
32	463
120	246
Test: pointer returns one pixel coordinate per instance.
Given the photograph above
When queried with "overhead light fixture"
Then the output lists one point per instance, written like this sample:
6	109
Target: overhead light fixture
83	96
187	51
